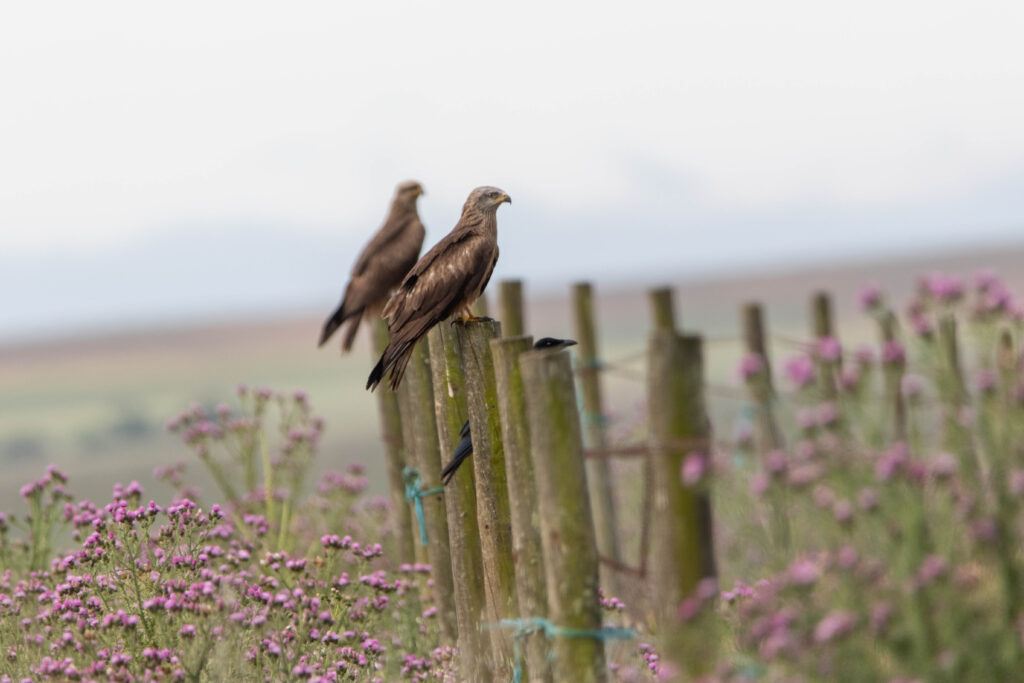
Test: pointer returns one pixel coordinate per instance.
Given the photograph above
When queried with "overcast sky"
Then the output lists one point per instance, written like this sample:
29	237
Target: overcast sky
675	135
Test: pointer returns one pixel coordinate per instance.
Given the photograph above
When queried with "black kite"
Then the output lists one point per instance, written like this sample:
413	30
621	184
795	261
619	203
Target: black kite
446	281
385	260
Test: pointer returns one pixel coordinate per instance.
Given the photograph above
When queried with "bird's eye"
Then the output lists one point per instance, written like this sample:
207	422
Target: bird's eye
492	195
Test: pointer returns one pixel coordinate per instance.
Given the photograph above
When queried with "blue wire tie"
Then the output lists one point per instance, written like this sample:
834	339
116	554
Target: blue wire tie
414	495
525	627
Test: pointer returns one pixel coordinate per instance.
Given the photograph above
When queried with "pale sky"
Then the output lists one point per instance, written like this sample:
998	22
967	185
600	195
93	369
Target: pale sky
123	123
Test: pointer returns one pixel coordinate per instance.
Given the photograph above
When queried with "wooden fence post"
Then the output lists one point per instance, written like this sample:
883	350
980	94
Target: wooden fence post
598	469
422	446
769	436
762	392
494	517
892	376
566	524
460	505
662	310
822	327
531	590
394	454
682	551
956	437
510	308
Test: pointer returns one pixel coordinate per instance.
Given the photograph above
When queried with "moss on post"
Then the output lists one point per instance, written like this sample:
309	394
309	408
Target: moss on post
566	523
510	307
531	590
598	469
493	514
460	505
422	446
394	453
682	551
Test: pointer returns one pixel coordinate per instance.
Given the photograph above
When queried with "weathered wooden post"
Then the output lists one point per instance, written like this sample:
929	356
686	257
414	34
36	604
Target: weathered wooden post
531	590
409	449
762	392
494	516
769	436
394	456
422	446
956	437
822	328
598	469
460	505
510	308
893	368
662	311
682	551
566	524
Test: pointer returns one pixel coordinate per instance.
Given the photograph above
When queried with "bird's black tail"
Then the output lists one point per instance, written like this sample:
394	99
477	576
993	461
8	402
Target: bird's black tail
393	360
462	451
350	334
333	323
377	374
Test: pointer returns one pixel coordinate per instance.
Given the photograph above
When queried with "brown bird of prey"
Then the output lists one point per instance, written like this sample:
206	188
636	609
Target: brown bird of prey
382	265
445	282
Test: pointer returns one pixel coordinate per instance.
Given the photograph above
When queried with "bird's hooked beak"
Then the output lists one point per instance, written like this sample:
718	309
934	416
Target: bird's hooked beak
504	198
569	342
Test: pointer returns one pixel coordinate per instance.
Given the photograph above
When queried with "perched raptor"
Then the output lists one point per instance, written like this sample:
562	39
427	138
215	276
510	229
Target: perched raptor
382	265
446	281
464	448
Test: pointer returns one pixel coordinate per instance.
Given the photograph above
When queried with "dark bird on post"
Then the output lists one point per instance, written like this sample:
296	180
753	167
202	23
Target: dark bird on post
445	282
464	448
381	266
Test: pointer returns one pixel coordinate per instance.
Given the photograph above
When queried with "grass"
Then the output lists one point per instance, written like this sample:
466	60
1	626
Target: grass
902	559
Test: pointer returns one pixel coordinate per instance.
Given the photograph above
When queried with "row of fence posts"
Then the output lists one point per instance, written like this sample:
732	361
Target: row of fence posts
527	528
519	534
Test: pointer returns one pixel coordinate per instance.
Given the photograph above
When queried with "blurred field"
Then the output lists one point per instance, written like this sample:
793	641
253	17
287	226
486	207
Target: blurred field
96	406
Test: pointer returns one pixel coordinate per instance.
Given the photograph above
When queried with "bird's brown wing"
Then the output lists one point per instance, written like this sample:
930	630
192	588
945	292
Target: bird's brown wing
452	272
392	234
444	279
379	269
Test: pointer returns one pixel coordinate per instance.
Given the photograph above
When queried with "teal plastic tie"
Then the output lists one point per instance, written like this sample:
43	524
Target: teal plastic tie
414	495
526	627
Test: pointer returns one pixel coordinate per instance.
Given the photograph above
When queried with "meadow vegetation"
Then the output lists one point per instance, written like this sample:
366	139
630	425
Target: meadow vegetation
881	541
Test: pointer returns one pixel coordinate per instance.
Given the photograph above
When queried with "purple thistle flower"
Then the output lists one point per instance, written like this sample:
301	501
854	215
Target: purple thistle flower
751	365
804	572
870	297
893	352
835	624
945	288
829	349
695	466
800	371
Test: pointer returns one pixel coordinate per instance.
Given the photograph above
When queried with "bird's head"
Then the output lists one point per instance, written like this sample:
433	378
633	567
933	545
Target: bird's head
487	199
408	192
552	343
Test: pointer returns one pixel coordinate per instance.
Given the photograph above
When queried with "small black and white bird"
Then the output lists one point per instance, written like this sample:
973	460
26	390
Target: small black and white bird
464	448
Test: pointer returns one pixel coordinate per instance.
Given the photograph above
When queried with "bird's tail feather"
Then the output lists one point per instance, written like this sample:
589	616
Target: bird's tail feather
462	451
350	335
377	374
398	368
339	316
